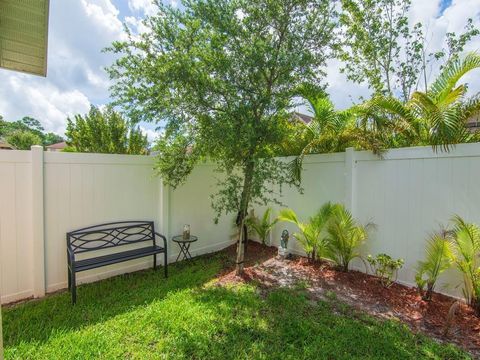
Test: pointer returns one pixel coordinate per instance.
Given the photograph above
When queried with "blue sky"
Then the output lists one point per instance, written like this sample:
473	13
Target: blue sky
80	29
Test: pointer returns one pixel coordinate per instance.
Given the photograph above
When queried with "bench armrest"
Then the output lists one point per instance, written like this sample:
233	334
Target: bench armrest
164	239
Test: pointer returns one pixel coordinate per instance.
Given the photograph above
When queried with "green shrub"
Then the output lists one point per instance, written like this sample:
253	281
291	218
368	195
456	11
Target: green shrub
467	259
262	226
344	237
385	267
438	258
312	233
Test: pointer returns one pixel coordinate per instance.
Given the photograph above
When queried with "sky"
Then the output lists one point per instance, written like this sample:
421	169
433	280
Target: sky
80	29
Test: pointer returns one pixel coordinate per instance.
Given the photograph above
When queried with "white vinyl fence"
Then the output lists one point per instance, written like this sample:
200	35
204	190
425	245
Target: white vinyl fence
408	193
45	194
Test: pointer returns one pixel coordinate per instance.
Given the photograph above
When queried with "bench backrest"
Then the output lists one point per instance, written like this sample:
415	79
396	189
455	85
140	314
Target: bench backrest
110	235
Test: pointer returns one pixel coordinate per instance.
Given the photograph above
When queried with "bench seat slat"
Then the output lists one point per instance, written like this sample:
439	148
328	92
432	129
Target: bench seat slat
92	263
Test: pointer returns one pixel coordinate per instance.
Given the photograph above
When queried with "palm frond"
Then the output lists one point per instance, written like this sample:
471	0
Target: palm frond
312	233
451	74
345	235
438	258
467	258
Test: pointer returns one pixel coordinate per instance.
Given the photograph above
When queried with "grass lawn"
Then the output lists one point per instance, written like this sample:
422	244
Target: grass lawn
144	316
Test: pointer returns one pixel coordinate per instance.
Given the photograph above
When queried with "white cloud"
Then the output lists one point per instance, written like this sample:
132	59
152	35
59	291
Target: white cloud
152	135
342	92
79	30
43	100
145	6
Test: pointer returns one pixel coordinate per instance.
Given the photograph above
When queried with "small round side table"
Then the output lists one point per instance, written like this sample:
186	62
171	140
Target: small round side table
184	245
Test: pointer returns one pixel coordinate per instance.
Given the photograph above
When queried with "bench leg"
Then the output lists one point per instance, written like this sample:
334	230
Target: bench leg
165	264
155	262
74	287
69	279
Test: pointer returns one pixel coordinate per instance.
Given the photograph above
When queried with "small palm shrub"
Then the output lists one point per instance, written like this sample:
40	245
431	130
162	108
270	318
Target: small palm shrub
312	233
344	237
467	259
385	267
438	258
262	226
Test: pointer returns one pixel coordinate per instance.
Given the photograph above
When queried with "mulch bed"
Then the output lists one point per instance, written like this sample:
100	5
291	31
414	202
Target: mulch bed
362	291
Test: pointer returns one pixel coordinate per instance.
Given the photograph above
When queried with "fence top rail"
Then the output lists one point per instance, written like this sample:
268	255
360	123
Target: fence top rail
15	156
422	152
105	159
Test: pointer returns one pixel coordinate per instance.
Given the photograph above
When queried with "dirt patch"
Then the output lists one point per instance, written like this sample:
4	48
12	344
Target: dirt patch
363	292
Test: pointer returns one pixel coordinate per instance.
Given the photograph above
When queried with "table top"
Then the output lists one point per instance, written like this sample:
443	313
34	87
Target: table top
180	239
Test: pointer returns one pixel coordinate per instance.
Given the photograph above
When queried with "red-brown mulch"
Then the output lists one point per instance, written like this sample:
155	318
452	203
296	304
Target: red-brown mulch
362	291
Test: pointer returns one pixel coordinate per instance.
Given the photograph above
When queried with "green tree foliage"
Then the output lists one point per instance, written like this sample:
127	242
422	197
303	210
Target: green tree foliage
104	132
52	138
455	43
438	258
22	139
312	235
26	131
221	74
379	47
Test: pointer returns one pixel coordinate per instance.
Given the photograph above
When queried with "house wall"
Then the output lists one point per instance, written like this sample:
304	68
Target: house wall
407	194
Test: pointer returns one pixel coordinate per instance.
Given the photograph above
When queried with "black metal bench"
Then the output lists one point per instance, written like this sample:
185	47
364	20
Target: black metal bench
108	236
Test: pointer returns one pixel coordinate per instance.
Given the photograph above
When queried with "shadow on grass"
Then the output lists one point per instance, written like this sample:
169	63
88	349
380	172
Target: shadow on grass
143	316
36	320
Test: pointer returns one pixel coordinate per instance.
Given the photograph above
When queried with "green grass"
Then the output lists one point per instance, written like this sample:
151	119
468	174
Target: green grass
143	316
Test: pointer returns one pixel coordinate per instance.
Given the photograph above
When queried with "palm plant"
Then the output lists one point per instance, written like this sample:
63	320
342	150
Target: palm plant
467	259
344	237
262	226
312	233
438	258
329	131
436	117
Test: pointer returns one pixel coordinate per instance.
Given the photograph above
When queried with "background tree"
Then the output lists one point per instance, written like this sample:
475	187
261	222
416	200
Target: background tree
27	131
437	117
104	132
221	74
23	140
381	49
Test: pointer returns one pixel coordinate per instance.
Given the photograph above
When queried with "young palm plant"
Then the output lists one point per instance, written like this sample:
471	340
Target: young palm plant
344	237
262	226
329	131
467	259
438	258
312	233
436	117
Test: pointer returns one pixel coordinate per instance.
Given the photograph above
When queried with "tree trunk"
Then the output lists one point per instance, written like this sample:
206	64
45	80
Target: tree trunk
245	198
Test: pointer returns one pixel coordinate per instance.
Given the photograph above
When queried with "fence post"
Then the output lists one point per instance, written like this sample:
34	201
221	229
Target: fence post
38	225
350	179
